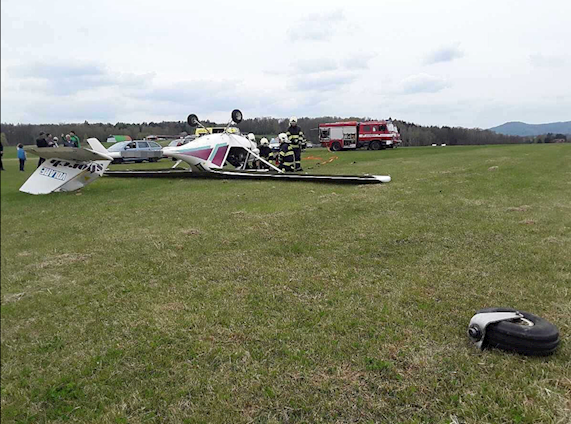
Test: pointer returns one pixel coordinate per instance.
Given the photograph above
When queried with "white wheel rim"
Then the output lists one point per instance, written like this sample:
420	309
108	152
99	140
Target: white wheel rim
523	322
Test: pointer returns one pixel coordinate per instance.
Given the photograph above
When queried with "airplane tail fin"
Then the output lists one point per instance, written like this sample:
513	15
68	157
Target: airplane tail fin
96	145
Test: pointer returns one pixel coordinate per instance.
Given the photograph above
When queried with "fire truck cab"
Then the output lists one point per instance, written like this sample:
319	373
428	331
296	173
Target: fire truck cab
373	135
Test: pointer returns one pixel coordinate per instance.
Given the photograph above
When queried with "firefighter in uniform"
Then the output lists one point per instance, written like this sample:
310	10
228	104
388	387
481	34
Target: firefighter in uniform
295	136
287	155
265	151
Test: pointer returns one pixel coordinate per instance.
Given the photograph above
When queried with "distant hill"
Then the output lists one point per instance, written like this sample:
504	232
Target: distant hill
523	129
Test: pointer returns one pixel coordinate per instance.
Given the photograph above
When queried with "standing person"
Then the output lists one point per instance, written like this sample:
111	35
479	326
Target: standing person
55	142
67	141
21	156
287	155
1	156
265	151
50	140
295	136
41	142
74	139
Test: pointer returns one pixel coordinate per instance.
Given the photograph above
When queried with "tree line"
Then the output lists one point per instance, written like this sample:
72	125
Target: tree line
411	134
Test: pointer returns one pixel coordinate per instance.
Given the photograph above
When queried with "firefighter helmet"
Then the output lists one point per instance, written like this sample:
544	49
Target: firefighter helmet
252	137
283	138
293	120
264	142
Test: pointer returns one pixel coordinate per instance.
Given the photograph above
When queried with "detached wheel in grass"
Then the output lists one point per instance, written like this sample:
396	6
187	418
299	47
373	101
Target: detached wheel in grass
530	335
375	145
335	146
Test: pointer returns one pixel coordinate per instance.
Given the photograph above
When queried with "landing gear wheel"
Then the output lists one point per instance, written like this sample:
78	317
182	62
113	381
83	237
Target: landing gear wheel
530	335
375	145
237	116
335	146
192	120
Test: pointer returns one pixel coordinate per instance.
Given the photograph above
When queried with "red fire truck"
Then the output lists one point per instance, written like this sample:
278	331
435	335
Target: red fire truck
373	135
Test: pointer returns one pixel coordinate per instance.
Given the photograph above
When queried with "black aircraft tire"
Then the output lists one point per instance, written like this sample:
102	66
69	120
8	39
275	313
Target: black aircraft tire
237	116
192	120
539	339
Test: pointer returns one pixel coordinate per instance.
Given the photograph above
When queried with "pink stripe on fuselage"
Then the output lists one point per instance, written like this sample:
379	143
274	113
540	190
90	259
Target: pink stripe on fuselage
200	154
219	156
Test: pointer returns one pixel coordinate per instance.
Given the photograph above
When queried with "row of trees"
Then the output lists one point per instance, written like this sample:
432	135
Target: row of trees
551	138
416	135
411	134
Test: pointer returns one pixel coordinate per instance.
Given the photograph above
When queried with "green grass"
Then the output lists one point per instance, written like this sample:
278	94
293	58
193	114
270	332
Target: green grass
212	301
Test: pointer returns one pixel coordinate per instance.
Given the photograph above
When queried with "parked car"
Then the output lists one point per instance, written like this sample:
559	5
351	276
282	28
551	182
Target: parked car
275	144
135	151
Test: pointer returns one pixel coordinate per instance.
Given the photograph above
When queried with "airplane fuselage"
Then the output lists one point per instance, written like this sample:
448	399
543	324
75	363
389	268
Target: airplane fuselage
212	151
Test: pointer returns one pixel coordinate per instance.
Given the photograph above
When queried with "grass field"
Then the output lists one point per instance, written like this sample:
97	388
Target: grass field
251	302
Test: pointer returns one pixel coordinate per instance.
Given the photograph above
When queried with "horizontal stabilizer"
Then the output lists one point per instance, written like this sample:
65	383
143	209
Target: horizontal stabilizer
96	145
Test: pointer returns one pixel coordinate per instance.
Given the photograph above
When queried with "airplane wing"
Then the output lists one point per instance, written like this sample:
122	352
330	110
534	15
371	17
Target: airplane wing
65	169
67	153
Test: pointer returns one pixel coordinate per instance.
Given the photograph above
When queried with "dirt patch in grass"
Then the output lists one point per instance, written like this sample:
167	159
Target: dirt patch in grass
522	208
13	297
553	240
61	260
190	232
173	306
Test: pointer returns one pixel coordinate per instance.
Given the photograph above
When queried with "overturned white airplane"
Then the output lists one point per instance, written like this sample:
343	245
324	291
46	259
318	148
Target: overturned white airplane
207	156
66	168
213	151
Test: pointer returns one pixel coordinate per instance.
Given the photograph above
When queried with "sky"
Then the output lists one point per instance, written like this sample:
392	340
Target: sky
458	63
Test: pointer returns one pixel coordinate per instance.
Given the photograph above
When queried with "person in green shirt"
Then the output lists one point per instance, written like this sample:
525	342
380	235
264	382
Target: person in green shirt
74	139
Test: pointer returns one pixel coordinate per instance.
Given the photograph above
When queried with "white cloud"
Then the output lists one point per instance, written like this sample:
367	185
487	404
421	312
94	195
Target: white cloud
423	83
357	62
548	61
66	79
308	66
323	82
324	64
317	26
444	54
199	96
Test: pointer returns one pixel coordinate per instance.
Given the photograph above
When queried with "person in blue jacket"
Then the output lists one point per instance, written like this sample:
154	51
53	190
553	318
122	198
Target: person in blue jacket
21	156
